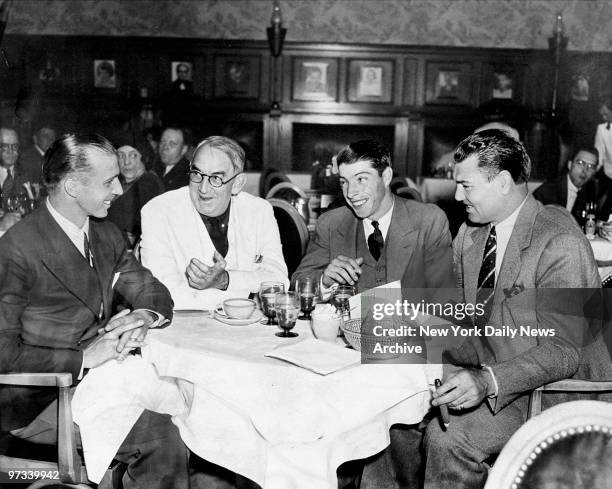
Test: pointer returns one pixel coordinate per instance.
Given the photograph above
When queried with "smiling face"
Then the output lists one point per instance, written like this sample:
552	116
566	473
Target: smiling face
95	190
130	163
483	199
582	168
365	191
208	200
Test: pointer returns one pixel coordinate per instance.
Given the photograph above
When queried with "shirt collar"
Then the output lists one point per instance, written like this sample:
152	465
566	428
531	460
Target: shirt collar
67	226
384	220
508	223
570	185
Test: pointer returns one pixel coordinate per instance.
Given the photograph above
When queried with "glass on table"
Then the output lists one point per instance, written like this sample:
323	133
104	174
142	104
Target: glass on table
287	307
267	298
307	289
340	299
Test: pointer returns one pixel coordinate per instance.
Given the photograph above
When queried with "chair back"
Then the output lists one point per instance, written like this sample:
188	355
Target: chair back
269	179
568	445
293	194
293	233
409	193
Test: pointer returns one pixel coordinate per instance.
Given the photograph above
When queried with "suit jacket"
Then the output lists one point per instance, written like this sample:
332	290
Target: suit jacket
555	192
540	284
177	177
173	233
417	246
15	187
50	302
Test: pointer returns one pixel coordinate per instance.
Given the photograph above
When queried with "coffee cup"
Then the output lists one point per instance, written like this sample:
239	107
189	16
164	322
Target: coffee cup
239	308
325	325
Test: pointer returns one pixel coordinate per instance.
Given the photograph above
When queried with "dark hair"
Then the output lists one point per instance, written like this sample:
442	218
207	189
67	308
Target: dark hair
68	154
227	146
365	149
586	149
605	99
496	151
185	132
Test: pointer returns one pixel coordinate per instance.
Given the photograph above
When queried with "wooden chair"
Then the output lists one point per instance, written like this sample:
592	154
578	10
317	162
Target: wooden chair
409	193
568	445
567	385
293	233
69	465
269	179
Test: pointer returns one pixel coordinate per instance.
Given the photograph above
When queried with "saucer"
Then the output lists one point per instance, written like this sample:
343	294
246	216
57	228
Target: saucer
219	315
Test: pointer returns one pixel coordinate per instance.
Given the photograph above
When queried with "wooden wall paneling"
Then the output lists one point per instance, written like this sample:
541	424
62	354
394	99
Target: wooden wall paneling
414	159
409	79
400	150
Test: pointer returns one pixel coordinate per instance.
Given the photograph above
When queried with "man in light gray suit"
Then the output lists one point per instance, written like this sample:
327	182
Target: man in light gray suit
527	265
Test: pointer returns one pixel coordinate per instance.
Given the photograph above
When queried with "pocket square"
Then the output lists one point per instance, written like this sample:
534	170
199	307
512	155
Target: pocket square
514	290
258	258
115	278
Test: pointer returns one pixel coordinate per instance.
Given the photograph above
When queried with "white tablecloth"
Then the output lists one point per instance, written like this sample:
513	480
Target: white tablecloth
277	424
602	249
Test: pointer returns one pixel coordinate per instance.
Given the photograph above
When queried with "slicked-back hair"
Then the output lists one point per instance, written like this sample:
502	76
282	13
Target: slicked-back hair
365	149
586	149
227	146
68	154
496	151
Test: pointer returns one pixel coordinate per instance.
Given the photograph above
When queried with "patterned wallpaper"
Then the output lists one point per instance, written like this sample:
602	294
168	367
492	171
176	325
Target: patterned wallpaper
522	24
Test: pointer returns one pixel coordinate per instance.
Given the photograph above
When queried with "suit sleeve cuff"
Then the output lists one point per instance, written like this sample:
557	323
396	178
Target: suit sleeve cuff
493	378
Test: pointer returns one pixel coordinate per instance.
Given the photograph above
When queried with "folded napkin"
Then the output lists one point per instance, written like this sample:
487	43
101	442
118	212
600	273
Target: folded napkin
317	356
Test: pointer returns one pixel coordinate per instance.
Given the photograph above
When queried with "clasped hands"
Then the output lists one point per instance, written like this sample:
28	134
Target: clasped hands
123	333
201	276
464	389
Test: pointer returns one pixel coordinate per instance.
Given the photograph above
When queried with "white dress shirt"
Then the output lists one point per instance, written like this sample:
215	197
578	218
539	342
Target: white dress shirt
75	234
383	224
3	174
572	193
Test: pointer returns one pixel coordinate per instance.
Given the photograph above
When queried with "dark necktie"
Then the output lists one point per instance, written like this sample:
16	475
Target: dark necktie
608	126
486	279
376	241
218	235
8	181
87	249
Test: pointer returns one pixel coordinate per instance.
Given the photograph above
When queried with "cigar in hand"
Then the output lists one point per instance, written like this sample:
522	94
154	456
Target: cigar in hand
444	416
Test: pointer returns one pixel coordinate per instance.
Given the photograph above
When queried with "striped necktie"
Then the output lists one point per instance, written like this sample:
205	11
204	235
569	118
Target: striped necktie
87	250
486	279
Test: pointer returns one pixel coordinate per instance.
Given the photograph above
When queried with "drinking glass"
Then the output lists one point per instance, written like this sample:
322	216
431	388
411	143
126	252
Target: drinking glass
287	307
13	203
307	290
340	298
267	296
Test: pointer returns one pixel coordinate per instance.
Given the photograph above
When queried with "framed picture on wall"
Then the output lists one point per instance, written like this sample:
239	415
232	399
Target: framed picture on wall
237	76
315	79
181	76
370	81
501	84
104	73
448	83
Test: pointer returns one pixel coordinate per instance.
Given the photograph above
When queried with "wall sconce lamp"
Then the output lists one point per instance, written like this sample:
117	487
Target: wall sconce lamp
276	32
557	45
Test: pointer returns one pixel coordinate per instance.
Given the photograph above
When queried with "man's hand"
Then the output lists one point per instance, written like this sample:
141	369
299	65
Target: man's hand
342	270
200	276
104	348
129	326
465	389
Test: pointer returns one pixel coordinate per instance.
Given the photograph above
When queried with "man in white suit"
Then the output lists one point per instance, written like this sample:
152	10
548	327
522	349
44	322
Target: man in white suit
208	241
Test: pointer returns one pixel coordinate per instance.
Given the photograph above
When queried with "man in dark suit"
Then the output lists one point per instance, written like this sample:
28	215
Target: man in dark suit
572	189
174	167
378	238
12	176
58	271
513	258
31	158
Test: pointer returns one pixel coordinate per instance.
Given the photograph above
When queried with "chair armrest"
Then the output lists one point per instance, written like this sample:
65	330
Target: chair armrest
37	379
566	385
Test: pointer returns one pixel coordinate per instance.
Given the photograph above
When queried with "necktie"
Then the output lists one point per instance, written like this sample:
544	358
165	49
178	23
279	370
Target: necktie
376	241
218	236
486	279
87	249
8	181
608	126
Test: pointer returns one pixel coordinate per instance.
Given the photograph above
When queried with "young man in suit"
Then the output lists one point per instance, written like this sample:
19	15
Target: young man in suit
58	270
527	265
378	237
570	190
210	241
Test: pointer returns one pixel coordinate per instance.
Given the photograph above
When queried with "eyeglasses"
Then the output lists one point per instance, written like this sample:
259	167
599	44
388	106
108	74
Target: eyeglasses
9	147
589	165
196	176
131	155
